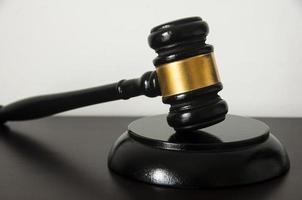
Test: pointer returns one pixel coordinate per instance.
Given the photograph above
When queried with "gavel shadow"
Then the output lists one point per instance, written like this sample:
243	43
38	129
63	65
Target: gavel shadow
45	158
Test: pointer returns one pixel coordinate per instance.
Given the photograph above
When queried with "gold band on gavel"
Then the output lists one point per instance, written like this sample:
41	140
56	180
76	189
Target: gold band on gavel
187	74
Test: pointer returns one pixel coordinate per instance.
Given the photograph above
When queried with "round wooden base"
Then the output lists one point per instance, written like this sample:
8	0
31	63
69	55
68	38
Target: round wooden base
237	151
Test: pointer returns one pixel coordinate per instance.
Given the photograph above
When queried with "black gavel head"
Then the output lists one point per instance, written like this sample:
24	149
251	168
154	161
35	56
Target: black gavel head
187	74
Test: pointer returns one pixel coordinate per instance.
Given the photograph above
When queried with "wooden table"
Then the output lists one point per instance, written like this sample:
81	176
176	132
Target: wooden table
66	158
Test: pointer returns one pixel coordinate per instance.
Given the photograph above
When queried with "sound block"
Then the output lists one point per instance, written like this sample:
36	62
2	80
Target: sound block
237	151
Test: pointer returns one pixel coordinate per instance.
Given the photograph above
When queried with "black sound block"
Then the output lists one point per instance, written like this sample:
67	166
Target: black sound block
237	151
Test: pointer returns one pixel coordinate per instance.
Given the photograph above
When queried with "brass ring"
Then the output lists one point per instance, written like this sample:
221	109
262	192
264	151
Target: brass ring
187	74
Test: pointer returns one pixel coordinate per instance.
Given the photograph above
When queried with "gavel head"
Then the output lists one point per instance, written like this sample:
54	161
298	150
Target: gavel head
187	74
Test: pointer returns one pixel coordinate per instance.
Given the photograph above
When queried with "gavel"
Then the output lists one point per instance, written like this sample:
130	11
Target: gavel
186	77
197	151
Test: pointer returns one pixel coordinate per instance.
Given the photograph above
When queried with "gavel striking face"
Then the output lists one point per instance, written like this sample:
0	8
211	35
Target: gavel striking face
186	76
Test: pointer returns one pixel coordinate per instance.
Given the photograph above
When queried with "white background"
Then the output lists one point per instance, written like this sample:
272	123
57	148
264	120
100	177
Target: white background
59	45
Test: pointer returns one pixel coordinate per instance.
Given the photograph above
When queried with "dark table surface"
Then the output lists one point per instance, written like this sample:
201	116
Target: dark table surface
66	158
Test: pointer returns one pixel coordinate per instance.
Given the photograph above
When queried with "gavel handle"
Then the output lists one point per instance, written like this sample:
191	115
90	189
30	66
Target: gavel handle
46	105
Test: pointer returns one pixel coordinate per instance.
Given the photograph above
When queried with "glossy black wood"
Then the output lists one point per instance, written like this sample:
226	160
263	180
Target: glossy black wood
236	151
61	158
235	132
172	41
46	105
196	109
177	40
